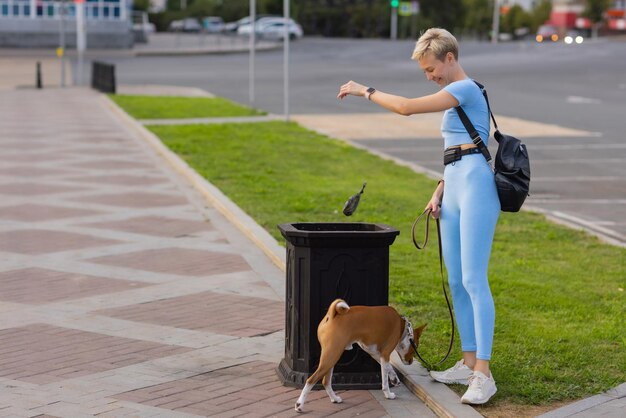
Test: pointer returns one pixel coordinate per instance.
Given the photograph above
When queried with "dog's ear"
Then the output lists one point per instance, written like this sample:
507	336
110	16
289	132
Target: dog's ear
417	333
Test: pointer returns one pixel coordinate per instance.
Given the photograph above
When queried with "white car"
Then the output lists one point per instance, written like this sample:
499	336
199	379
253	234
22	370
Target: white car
233	26
213	24
185	25
272	28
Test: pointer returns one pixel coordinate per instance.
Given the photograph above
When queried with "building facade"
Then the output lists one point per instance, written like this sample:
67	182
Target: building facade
39	23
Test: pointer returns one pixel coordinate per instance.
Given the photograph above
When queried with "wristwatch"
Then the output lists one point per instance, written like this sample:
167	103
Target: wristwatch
369	92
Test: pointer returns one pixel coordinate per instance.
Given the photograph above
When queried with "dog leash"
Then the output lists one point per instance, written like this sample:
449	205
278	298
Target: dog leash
428	215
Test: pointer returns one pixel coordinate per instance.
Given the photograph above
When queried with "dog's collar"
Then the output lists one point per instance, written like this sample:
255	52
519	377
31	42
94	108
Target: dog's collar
408	329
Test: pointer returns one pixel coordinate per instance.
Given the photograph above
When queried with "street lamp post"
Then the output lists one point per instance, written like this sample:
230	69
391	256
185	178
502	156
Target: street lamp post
495	30
61	51
252	41
81	38
286	58
394	19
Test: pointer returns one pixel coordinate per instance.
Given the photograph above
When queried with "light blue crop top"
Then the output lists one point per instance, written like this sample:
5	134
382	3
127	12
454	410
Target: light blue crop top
473	102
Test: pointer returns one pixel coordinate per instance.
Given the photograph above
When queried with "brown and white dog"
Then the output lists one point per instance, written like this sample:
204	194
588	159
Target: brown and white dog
378	330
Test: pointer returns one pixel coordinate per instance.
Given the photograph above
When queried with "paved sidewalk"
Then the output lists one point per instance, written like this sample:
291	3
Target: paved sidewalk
124	292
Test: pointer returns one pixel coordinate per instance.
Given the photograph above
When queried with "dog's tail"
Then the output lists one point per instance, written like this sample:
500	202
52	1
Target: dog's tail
338	307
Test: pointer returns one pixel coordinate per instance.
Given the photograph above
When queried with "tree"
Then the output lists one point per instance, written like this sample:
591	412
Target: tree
478	17
201	8
141	5
447	14
515	18
595	11
540	14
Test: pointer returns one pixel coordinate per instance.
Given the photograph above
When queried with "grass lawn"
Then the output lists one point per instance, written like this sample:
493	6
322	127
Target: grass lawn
169	107
560	304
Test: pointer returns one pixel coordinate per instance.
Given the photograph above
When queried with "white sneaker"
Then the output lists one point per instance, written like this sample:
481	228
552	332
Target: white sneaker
481	389
459	373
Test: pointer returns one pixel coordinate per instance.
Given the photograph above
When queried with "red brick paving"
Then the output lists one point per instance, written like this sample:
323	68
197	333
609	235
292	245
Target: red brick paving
33	157
135	200
30	171
42	353
227	314
181	261
250	390
112	164
35	212
126	180
29	189
36	285
38	241
155	225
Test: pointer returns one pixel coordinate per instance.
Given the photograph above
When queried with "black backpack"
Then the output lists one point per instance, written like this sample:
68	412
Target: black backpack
512	165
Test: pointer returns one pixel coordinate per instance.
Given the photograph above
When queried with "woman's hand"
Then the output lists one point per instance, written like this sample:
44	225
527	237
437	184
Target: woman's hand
435	202
353	88
434	206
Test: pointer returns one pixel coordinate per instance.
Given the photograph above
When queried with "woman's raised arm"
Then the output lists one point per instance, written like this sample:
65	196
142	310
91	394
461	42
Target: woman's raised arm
437	102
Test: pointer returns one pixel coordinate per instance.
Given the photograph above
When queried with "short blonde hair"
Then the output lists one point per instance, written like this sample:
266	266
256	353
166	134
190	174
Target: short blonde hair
438	42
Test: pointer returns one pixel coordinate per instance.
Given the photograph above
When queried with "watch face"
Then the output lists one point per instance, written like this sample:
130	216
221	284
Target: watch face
371	90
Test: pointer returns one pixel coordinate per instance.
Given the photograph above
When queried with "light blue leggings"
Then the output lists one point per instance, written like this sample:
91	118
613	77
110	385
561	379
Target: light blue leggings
469	213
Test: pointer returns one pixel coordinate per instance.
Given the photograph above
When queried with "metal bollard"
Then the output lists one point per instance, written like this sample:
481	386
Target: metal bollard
39	83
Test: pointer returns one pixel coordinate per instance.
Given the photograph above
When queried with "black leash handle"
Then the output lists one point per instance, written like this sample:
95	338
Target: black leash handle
428	214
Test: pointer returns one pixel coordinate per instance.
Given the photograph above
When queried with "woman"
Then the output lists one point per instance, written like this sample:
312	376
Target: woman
470	207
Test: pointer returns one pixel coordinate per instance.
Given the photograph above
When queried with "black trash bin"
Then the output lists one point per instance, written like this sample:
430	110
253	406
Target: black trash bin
326	261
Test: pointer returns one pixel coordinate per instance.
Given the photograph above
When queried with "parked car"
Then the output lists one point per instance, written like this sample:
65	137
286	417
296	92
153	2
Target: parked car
547	33
272	28
175	26
189	24
213	24
233	26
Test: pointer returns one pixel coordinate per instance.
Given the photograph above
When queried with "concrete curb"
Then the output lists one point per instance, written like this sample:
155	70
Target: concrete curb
202	51
586	404
438	397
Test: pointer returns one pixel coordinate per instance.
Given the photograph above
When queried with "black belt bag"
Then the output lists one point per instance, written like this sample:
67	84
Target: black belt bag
452	154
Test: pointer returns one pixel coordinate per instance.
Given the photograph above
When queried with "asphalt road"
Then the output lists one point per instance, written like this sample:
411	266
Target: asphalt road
580	180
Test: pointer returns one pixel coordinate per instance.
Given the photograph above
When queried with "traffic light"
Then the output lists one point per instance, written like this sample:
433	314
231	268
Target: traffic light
395	3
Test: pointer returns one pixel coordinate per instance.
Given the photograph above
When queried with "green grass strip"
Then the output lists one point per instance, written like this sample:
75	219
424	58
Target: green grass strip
560	305
171	107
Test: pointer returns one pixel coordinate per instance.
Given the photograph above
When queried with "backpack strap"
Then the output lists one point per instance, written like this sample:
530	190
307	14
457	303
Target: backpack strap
484	92
476	139
471	130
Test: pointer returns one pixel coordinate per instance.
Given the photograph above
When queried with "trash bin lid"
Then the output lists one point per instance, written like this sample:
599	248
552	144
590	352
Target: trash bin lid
339	233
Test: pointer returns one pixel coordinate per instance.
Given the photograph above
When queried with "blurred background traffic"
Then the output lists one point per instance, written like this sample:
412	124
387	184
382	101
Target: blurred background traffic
123	23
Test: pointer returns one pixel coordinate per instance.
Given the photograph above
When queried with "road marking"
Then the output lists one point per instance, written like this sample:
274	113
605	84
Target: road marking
578	161
604	233
583	201
582	100
577	146
578	178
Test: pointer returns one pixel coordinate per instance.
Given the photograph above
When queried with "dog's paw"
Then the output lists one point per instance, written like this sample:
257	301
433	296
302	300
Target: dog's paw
336	399
298	407
394	380
390	395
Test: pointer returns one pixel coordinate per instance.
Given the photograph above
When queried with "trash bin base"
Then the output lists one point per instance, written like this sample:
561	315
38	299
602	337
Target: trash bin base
341	381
